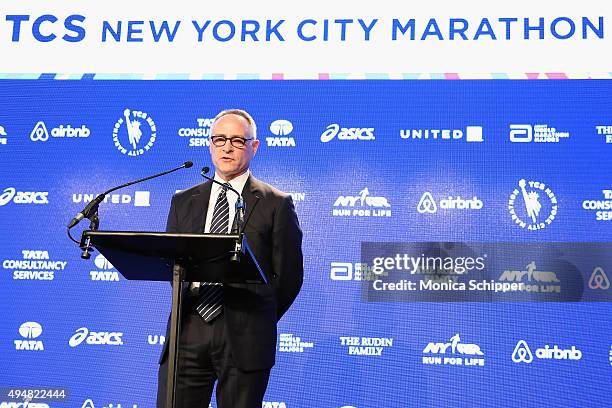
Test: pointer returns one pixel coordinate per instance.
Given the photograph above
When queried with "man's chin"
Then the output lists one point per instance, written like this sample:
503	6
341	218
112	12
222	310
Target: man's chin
228	174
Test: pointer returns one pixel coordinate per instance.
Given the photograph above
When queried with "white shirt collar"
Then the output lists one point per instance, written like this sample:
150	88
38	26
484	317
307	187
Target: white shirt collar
237	183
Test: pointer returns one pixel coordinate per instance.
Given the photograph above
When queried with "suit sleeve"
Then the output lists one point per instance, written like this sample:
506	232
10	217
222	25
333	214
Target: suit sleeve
172	223
287	258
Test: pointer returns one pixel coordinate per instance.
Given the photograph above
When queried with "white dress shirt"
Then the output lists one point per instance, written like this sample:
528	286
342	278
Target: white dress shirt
238	184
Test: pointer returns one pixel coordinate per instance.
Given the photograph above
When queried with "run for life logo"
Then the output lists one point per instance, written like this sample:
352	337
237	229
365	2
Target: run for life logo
135	133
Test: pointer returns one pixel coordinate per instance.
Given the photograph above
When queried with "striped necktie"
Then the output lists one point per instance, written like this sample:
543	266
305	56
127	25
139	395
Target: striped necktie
210	302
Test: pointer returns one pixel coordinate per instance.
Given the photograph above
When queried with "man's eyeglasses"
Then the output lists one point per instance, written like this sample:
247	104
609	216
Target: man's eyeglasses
237	142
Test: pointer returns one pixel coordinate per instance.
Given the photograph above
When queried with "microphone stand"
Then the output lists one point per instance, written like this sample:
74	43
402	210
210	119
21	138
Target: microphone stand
91	210
85	244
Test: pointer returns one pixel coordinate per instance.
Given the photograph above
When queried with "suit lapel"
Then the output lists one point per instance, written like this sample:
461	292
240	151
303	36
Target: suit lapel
250	194
198	207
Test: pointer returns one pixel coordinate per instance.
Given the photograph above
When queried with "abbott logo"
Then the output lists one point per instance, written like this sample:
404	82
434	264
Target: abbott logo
39	133
599	279
334	130
522	353
347	271
342	271
521	133
102	263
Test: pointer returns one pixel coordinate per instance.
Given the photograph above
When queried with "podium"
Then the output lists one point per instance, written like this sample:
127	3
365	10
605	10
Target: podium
162	256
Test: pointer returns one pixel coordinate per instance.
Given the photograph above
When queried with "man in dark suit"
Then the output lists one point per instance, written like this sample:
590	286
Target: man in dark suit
228	332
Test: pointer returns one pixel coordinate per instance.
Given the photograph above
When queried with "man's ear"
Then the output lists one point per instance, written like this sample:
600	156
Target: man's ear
255	146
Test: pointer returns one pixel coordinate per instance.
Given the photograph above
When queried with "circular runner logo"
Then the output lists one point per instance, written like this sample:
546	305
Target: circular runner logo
533	205
134	133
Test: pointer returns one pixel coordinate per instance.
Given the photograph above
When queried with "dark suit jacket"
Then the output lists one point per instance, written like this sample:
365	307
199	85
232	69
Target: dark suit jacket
274	235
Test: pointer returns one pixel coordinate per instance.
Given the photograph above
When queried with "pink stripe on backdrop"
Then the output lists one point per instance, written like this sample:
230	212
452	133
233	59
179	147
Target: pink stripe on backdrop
323	76
451	76
277	76
532	75
556	75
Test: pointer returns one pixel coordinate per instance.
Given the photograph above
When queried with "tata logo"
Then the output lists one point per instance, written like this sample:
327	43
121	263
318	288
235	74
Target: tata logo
106	276
102	263
281	128
95	338
30	331
10	194
344	133
268	404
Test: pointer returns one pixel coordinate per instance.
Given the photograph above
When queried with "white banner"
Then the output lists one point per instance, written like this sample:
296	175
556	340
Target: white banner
300	40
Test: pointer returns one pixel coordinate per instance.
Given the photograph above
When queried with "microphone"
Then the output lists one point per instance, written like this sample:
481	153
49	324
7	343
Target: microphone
92	207
206	169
